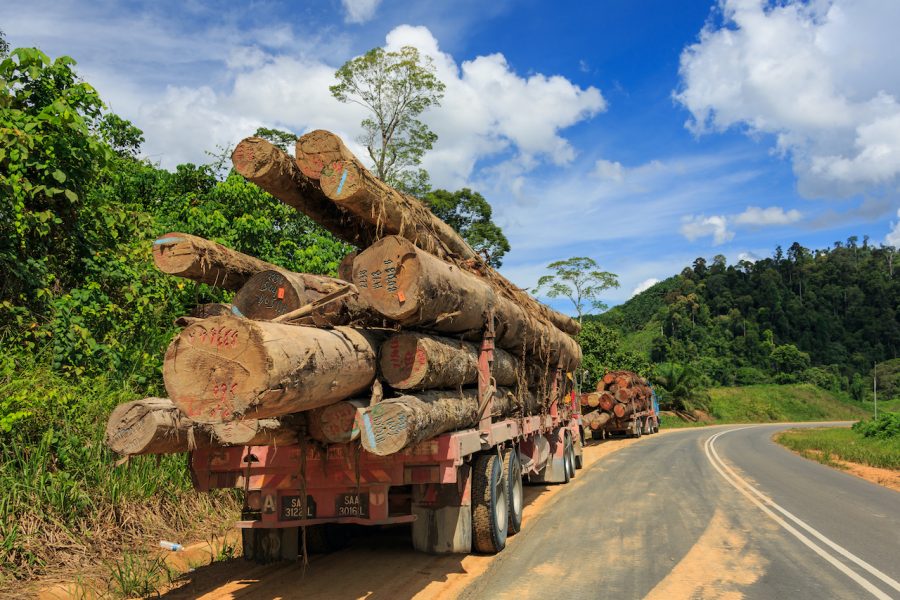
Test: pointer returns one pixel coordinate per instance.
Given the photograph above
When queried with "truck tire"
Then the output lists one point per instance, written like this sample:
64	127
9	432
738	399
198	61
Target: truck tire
490	505
570	458
636	429
513	470
648	427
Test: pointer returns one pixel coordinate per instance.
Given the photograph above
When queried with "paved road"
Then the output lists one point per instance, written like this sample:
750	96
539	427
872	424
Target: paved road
718	512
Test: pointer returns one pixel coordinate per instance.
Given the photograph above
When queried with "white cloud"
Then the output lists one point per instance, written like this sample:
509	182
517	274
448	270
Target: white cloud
820	76
773	215
609	170
697	226
359	11
893	236
489	109
644	286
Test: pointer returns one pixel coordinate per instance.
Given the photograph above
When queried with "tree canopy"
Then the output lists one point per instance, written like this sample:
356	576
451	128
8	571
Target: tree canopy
470	215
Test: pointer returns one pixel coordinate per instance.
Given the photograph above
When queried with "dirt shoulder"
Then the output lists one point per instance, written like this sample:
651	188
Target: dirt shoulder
378	564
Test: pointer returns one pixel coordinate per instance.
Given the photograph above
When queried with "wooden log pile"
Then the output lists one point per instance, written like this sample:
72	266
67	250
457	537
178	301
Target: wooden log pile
619	395
387	355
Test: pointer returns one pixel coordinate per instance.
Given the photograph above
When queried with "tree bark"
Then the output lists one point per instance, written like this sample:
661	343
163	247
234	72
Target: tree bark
152	426
408	285
274	171
396	423
335	423
201	260
596	419
226	368
417	361
273	293
255	432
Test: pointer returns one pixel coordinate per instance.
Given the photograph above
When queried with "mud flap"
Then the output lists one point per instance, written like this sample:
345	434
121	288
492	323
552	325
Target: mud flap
443	513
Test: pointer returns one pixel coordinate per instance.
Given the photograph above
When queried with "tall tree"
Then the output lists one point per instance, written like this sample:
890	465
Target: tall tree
4	45
469	214
395	87
580	280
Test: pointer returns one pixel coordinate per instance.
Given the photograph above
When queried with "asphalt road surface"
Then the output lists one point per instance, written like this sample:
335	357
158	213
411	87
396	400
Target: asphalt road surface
719	512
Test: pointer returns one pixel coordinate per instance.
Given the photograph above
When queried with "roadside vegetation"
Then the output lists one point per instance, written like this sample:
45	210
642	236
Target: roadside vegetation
871	442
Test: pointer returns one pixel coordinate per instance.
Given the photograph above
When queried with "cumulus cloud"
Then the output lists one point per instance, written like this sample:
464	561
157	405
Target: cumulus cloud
489	109
359	11
609	170
893	236
821	77
696	226
644	286
773	215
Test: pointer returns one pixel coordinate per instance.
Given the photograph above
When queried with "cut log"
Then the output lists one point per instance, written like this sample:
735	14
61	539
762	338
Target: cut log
349	184
406	284
345	269
607	380
396	423
598	421
592	399
335	423
416	361
273	293
318	149
255	432
607	401
271	168
623	410
623	395
195	258
152	426
226	368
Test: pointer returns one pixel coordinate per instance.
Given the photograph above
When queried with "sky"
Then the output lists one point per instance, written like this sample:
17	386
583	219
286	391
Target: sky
640	133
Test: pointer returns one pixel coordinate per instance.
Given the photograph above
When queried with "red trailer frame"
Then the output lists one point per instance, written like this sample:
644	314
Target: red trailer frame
428	485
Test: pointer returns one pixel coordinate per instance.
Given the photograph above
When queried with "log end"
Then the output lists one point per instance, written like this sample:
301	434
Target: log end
403	362
383	428
254	157
387	277
267	295
173	253
212	367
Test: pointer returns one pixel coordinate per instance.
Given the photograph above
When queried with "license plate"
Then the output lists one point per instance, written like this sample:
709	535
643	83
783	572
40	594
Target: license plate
352	505
292	508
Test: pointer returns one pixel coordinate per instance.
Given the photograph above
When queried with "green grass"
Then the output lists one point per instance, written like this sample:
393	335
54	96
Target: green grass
772	403
827	444
64	506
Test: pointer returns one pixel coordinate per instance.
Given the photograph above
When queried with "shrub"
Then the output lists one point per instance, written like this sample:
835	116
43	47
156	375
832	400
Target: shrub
886	426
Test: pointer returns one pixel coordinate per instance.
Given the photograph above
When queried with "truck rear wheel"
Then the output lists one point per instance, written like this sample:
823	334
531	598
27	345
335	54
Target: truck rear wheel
513	470
490	505
570	458
648	427
636	428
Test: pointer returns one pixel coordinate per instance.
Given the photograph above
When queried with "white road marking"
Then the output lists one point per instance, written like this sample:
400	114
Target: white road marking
746	489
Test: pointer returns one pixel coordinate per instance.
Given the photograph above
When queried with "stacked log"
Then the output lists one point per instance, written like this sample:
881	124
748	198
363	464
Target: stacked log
387	355
619	394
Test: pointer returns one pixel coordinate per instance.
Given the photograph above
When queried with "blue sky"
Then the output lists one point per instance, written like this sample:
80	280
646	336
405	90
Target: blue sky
642	134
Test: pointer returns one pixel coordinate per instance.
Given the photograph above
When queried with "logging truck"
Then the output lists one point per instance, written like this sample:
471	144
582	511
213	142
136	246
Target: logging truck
420	388
623	403
461	491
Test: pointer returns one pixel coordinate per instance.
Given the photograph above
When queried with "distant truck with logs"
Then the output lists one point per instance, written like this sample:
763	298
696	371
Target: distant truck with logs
623	403
420	386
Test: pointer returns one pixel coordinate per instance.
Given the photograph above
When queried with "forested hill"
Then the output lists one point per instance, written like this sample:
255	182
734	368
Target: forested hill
836	310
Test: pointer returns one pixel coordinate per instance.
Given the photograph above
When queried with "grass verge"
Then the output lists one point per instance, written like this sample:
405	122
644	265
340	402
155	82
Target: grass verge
826	445
65	510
